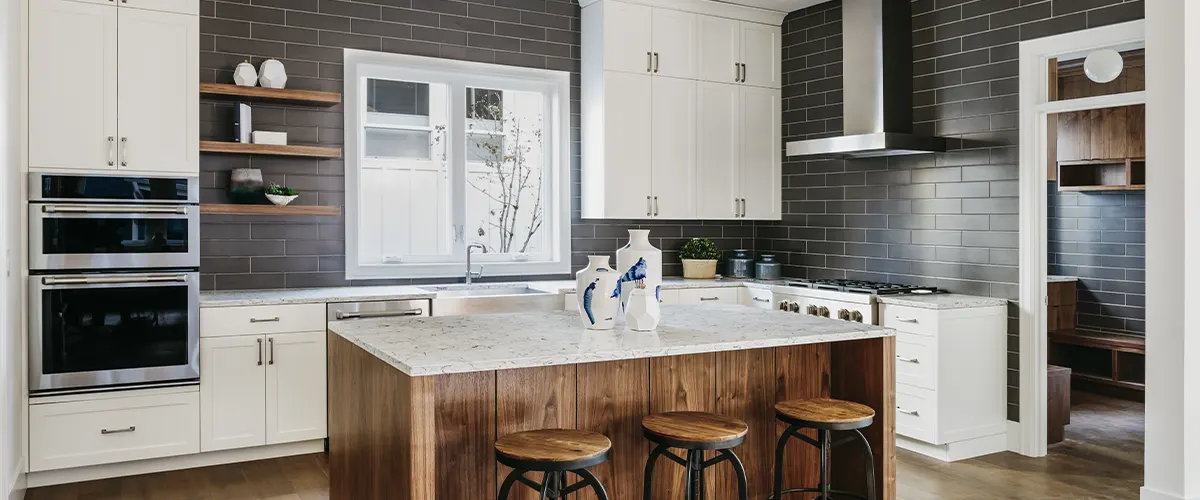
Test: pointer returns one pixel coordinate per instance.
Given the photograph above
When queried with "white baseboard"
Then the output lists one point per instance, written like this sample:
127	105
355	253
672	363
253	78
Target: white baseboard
16	489
1152	494
77	474
1014	436
958	450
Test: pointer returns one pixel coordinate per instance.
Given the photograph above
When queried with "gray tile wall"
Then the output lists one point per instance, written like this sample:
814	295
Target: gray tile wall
1101	238
239	252
946	219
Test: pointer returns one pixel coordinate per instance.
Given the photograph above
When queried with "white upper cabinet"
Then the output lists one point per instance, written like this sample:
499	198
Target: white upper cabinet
673	149
761	58
72	85
158	91
627	40
720	54
674	43
114	86
761	153
622	190
718	129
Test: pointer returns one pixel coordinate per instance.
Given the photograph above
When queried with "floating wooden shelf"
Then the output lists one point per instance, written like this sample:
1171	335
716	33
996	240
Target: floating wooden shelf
225	91
269	149
245	209
1117	174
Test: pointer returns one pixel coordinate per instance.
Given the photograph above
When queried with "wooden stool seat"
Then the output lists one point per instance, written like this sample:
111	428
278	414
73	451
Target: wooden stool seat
553	446
694	429
822	413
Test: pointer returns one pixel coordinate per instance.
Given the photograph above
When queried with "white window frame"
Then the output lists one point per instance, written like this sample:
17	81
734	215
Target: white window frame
361	65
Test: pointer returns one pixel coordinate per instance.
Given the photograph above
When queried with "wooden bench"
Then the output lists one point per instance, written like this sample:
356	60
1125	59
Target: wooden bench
1106	363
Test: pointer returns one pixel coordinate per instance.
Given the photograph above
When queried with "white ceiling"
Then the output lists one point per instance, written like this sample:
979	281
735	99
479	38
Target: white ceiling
776	5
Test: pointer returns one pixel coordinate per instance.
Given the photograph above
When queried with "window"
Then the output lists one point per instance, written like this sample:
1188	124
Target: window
441	154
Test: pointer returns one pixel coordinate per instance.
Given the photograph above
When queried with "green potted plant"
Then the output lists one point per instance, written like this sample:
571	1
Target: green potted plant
699	258
280	195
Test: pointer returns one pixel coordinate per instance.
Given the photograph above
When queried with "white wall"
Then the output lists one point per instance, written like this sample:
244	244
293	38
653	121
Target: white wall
1172	470
11	351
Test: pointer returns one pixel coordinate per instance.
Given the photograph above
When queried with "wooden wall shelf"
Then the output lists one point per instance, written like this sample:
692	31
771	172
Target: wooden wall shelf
230	92
269	149
246	209
1117	174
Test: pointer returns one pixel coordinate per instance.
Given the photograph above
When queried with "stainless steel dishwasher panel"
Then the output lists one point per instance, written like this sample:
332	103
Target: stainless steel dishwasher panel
350	311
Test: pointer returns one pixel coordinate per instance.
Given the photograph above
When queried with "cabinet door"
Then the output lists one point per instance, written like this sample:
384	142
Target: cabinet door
674	148
295	387
627	42
158	84
1110	133
674	43
708	296
718	132
720	42
626	145
189	7
232	392
1074	136
760	54
761	159
72	85
1136	138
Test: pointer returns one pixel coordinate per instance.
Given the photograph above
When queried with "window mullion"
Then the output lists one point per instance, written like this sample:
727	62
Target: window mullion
456	157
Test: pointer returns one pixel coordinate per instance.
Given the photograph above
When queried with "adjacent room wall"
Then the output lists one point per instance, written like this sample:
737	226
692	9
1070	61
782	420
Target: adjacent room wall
240	252
947	219
12	354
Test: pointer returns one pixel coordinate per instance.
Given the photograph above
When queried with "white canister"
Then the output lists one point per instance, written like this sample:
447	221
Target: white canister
639	263
596	293
642	312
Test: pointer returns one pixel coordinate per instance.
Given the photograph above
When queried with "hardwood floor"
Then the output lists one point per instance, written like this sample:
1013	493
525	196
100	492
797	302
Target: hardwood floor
1100	459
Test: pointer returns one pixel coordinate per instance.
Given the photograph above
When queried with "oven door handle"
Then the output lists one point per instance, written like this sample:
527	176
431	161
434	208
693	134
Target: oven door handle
115	209
171	278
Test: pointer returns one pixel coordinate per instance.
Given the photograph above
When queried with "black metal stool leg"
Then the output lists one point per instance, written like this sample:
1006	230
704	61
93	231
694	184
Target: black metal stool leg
690	491
591	479
648	478
824	437
780	448
870	465
508	483
743	488
700	486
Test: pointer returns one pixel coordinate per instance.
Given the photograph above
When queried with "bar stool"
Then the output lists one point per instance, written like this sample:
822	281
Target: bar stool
554	452
695	432
826	416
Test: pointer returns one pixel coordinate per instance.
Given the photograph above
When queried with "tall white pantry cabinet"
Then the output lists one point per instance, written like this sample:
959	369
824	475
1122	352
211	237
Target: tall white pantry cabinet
681	110
114	85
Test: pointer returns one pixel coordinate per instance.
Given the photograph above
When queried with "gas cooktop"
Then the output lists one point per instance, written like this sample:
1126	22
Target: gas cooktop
856	286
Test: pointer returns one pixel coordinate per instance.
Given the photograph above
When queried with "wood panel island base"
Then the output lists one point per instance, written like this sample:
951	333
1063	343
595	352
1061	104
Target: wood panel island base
408	422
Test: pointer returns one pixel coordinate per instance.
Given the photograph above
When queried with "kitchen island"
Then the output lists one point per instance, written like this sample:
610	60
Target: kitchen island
415	404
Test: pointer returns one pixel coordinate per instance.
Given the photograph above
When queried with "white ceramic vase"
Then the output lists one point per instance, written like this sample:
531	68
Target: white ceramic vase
245	75
640	265
642	311
595	287
271	74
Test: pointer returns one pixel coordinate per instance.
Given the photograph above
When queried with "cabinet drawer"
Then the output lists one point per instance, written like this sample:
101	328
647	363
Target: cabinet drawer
93	432
908	319
259	320
916	360
757	297
708	296
916	413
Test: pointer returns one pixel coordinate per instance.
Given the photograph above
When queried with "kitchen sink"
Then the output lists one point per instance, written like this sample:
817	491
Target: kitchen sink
466	300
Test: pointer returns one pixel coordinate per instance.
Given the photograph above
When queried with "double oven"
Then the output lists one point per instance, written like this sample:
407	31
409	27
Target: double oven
114	291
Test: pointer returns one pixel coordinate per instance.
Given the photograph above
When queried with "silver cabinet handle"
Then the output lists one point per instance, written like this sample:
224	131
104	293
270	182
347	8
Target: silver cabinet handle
737	210
760	299
115	280
124	151
271	347
649	207
265	320
111	150
113	209
649	61
709	298
743	207
914	361
737	72
118	431
914	413
656	206
656	62
906	320
743	72
340	315
259	351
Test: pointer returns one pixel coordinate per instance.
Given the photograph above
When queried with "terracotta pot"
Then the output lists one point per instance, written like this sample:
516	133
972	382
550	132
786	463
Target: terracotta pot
694	269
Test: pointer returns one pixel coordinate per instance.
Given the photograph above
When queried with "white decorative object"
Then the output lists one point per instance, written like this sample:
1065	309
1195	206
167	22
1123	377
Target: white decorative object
245	75
272	75
273	138
281	200
598	298
1103	66
640	264
642	312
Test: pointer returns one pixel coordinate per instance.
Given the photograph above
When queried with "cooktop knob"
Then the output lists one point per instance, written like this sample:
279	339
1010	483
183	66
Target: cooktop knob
783	305
823	311
794	306
856	316
844	314
811	310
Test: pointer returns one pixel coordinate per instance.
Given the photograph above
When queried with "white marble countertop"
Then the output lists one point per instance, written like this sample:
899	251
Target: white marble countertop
1061	279
457	344
941	301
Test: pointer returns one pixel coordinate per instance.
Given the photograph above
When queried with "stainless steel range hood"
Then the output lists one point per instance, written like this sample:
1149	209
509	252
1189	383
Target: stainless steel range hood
877	86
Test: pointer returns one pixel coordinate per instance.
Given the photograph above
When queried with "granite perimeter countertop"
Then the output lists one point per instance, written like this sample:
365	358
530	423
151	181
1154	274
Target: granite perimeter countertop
456	344
1061	279
941	301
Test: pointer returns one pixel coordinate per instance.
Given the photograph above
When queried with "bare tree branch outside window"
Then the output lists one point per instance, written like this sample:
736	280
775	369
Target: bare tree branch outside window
502	144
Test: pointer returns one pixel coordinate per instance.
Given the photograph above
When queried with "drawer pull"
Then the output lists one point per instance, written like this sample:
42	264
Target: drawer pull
914	413
914	361
906	320
760	299
118	431
265	320
710	298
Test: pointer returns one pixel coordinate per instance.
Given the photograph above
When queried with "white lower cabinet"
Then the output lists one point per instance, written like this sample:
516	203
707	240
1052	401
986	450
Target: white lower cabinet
708	295
296	387
113	428
233	387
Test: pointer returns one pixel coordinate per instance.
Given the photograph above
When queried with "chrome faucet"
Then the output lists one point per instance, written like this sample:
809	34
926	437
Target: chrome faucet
472	274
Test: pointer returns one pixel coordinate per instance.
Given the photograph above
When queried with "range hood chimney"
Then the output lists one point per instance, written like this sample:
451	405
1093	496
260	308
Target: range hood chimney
877	81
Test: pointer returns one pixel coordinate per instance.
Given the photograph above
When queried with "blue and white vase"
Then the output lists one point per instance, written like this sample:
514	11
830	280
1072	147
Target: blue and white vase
642	311
594	290
640	265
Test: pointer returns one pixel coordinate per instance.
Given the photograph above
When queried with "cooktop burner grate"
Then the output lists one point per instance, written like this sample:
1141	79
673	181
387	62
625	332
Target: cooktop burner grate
858	286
